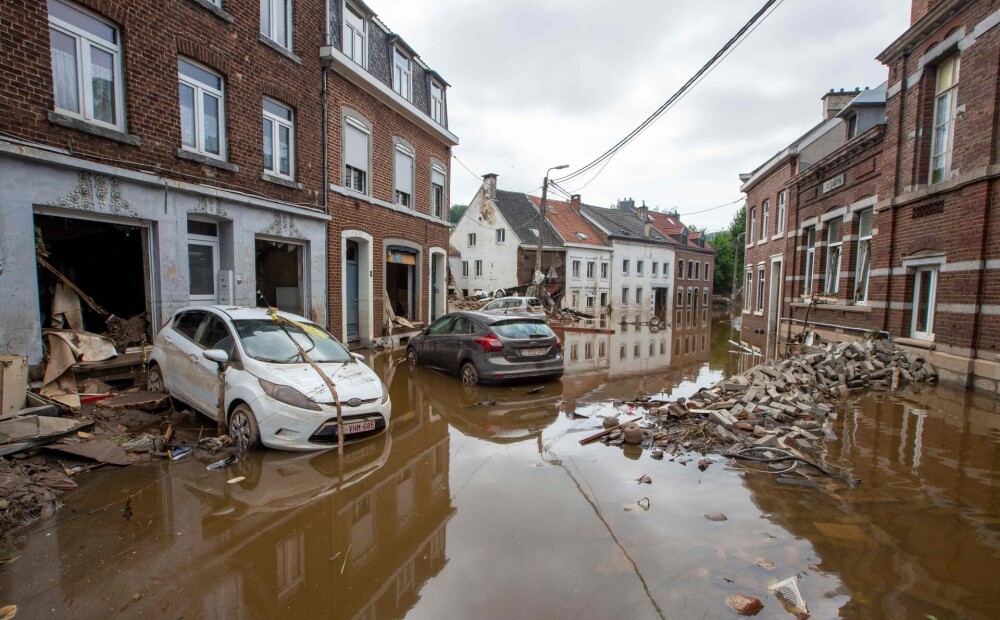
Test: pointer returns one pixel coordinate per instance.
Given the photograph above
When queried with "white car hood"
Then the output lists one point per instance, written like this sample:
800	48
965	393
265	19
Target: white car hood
352	380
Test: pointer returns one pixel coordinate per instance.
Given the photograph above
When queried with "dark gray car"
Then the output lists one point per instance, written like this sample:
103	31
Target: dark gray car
485	348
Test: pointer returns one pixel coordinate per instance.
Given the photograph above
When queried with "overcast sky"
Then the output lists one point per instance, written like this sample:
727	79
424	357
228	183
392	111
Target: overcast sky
538	83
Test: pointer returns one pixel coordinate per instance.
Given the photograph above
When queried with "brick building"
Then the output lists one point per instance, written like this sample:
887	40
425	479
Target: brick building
164	153
894	229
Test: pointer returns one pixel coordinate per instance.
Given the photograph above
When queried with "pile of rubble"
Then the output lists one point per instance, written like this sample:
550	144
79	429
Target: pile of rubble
787	405
29	490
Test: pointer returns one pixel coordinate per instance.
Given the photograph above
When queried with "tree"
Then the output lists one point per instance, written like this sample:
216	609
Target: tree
457	211
728	246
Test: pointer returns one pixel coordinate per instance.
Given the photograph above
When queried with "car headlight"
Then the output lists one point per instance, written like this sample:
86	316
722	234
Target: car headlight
288	395
385	394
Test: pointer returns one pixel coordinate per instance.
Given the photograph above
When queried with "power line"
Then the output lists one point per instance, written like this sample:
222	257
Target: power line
478	177
711	208
703	71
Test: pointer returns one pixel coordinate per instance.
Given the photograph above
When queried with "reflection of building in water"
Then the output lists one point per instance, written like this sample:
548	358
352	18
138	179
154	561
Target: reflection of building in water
636	349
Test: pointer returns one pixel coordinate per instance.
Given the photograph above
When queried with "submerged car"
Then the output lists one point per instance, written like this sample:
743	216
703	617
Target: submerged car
515	305
481	347
273	397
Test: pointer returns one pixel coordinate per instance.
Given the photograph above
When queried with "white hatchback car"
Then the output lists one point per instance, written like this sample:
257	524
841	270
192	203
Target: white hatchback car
273	397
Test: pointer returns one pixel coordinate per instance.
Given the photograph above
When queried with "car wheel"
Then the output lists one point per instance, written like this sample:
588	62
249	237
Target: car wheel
469	374
154	379
243	428
411	356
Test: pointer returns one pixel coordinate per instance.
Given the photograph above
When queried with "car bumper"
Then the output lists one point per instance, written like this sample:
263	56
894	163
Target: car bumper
291	428
501	369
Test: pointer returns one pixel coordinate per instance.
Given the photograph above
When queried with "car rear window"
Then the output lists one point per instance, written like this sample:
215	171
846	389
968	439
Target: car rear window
522	329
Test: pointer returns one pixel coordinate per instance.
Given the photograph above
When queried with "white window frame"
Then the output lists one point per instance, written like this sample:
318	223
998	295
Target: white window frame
680	269
278	9
84	41
707	271
437	102
760	289
625	266
465	269
397	193
471	240
656	269
501	235
753	225
862	272
666	269
402	76
479	268
780	223
625	296
765	216
807	290
748	290
435	206
927	334
680	297
211	241
576	271
604	271
831	281
639	267
638	295
200	90
277	123
351	174
352	33
943	131
604	299
697	269
591	269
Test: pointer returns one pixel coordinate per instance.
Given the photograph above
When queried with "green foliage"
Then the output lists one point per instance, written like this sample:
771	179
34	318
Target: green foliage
457	211
728	246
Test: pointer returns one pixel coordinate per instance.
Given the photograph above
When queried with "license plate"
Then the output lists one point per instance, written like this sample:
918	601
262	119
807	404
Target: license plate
534	352
359	427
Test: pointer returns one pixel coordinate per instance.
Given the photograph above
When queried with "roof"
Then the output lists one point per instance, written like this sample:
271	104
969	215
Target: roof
570	224
453	251
868	97
621	224
522	215
765	169
671	225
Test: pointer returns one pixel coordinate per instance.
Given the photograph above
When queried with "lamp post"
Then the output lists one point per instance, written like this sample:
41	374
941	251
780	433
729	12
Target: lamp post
539	277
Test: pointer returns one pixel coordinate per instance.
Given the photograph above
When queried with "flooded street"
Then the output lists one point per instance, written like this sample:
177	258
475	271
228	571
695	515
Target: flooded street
467	510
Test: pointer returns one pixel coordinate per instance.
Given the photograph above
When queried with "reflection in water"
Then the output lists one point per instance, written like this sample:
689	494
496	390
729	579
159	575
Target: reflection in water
515	518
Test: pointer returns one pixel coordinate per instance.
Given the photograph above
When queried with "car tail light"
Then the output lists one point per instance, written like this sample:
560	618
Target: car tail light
558	342
490	343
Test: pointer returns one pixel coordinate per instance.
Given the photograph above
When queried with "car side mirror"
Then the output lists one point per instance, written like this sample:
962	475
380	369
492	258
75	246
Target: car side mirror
426	330
216	355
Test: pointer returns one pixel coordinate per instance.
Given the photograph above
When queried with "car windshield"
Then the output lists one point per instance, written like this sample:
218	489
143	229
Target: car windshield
267	341
522	329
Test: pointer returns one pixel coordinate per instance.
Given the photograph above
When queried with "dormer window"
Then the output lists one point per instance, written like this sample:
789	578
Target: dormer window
852	126
437	103
401	74
355	36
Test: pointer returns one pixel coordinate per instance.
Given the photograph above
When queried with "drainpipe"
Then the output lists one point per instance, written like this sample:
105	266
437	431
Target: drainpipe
895	186
326	137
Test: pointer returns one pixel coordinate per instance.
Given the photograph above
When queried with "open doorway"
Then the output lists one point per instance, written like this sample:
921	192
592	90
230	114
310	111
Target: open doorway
401	282
660	297
108	263
774	308
279	275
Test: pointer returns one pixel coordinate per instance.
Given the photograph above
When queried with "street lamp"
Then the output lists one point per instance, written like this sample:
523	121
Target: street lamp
539	277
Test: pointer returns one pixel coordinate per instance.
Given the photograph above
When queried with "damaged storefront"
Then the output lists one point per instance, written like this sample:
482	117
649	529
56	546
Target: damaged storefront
90	251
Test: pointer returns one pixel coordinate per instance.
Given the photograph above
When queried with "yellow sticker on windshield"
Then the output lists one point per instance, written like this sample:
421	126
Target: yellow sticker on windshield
311	330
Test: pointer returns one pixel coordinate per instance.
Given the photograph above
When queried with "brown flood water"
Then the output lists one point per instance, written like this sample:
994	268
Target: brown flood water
466	511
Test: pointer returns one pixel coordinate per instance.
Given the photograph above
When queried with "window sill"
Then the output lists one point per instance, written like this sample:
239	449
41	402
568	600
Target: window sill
270	178
281	50
838	306
920	343
758	313
214	10
206	160
57	118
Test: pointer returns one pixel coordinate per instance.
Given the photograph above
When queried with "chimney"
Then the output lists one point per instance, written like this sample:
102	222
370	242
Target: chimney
834	102
643	214
490	185
574	202
626	205
919	8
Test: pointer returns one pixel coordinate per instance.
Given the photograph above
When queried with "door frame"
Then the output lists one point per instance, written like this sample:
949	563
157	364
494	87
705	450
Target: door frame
192	239
366	306
440	256
347	288
934	270
774	299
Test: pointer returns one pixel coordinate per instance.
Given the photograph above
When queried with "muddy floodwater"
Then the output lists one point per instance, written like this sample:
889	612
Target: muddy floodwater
472	510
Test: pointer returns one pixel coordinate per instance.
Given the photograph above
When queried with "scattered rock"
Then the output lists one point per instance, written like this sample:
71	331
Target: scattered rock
761	562
644	479
745	605
656	454
716	516
633	435
703	464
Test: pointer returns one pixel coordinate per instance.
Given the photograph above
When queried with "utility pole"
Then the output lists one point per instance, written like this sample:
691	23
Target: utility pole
538	278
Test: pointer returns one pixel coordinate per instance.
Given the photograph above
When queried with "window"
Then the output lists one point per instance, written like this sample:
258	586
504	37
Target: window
638	267
279	139
753	225
924	301
465	269
576	269
704	297
86	65
501	235
810	259
680	298
760	290
604	300
624	296
764	219
852	126
625	266
437	103
666	270
638	296
590	269
575	299
581	236
779	225
202	109
479	268
355	36
748	290
203	260
708	271
357	150
694	305
834	242
680	269
690	269
437	194
404	176
401	73
697	270
655	266
943	136
621	352
590	300
276	21
604	270
472	240
864	256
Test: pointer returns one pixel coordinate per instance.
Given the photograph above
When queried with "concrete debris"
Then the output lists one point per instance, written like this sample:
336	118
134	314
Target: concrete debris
745	605
716	516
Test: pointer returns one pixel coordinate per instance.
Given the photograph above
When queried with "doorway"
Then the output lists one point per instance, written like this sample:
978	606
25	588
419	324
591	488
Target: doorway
351	302
660	297
773	308
279	275
203	261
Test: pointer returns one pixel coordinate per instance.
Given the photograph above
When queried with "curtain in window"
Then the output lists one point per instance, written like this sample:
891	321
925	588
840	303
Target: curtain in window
64	71
102	72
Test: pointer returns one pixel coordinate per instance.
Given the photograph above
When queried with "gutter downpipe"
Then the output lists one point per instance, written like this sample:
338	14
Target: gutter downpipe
895	190
327	40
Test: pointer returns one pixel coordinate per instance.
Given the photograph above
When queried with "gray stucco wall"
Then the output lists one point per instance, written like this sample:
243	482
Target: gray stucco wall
33	181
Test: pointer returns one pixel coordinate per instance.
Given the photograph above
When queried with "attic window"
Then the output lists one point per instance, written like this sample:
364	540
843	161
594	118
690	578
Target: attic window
581	236
534	231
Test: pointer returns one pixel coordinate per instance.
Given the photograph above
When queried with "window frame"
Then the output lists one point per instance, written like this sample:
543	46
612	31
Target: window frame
501	234
748	290
439	207
638	295
810	264
779	223
707	271
655	269
765	216
350	172
604	270
591	269
934	270
639	266
399	148
864	258
625	296
437	103
832	272
274	11
759	307
276	124
200	90
576	269
625	266
479	268
752	225
680	269
950	93
465	269
398	71
83	42
471	240
364	34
